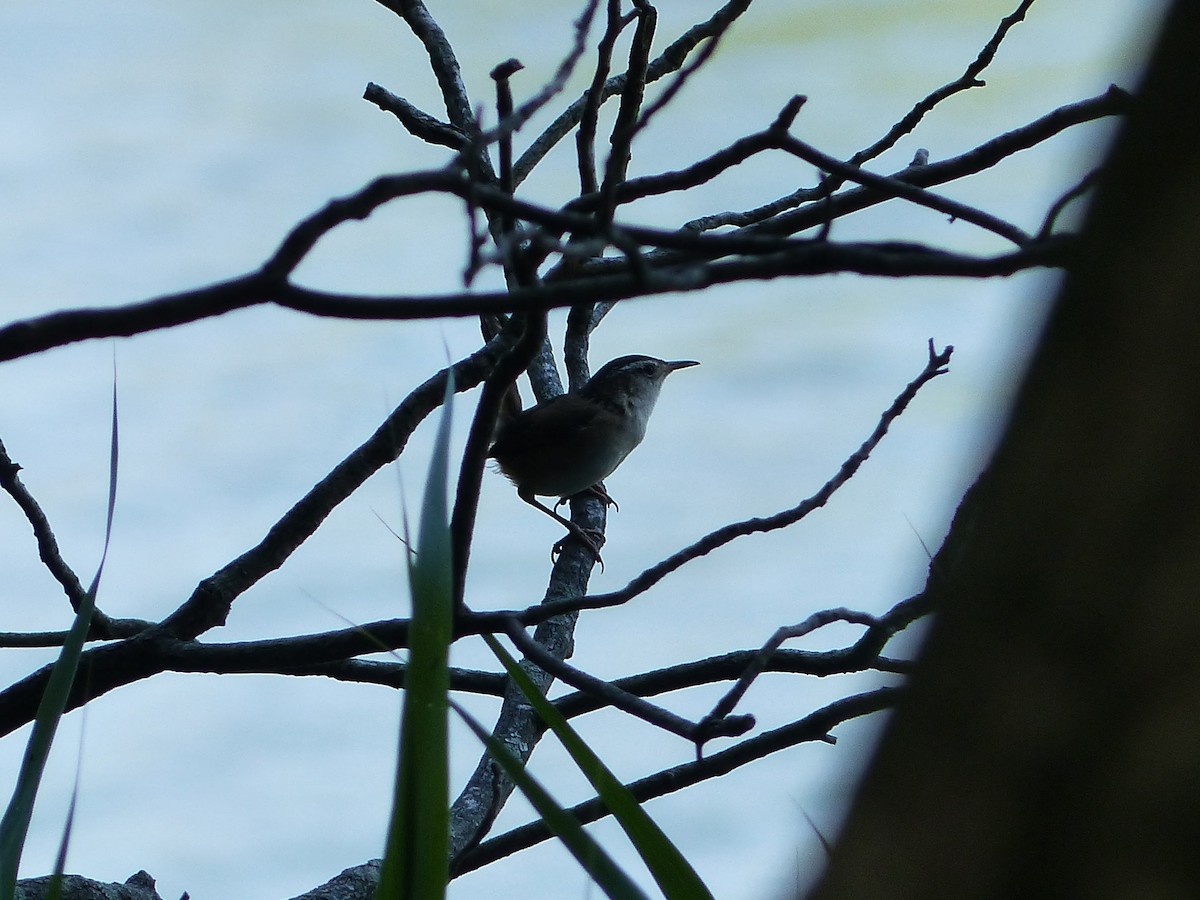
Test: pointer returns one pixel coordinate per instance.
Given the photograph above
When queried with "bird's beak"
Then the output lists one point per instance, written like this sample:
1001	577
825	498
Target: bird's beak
681	364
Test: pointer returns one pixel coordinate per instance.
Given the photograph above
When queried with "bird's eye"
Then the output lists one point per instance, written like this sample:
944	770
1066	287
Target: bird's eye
648	368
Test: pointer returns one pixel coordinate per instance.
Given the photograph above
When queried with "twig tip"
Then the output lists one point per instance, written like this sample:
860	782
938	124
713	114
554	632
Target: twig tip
506	69
788	114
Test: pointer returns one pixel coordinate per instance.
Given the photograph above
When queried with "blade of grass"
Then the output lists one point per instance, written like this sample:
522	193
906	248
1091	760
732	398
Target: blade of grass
598	864
671	870
60	860
14	827
416	860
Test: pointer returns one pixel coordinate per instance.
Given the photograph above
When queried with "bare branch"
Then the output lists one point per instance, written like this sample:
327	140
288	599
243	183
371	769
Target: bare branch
612	695
969	79
138	657
632	92
585	137
504	109
442	60
670	60
1080	188
681	78
775	219
897	188
103	626
418	122
762	659
30	336
813	727
513	120
138	886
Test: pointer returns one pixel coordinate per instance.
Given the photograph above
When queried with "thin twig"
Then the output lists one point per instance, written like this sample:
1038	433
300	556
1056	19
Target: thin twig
515	119
728	702
29	336
611	695
626	125
1080	188
681	78
775	218
103	627
504	107
418	122
813	727
670	60
585	137
969	79
442	61
904	190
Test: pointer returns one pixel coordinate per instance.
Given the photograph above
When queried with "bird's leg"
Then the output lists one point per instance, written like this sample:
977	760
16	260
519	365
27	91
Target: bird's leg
598	490
602	493
577	532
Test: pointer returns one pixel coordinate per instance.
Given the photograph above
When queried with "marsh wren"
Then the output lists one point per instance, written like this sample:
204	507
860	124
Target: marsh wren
568	444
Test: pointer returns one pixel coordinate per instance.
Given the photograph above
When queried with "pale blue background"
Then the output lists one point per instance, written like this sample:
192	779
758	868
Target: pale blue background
149	148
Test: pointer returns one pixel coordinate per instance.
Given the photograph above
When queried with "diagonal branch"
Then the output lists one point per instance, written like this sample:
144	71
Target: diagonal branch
897	188
670	60
139	657
969	79
419	123
813	727
442	60
626	125
513	120
612	695
103	627
585	137
662	276
758	665
781	216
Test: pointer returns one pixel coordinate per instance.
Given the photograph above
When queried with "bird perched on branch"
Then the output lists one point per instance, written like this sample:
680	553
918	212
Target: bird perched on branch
570	443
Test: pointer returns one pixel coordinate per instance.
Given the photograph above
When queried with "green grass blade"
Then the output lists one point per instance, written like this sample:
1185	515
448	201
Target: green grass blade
598	864
673	873
60	860
416	860
15	825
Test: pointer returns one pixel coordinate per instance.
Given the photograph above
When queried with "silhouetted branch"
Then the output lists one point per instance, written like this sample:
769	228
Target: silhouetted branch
612	695
969	79
800	258
904	191
418	122
670	60
782	216
139	657
709	725
442	60
813	727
